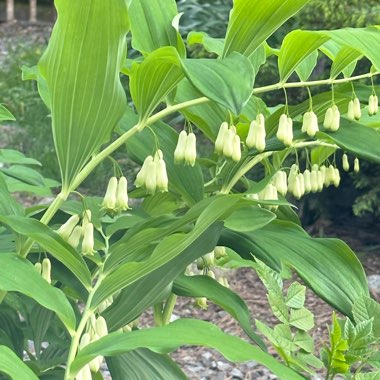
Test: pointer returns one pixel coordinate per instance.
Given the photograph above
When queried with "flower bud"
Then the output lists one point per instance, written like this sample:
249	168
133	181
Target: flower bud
236	154
109	201
307	181
335	124
328	121
356	165
161	176
84	373
144	171
281	183
345	163
220	139
201	302
289	132
122	195
74	238
220	252
314	181
223	281
292	175
251	137
191	149
46	270
305	122
330	175
101	327
320	180
371	105
66	229
88	239
228	147
85	340
151	177
38	267
179	153
282	128
297	191
211	274
375	104
357	110
350	112
336	181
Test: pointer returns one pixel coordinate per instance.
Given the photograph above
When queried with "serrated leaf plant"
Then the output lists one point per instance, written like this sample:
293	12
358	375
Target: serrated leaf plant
76	275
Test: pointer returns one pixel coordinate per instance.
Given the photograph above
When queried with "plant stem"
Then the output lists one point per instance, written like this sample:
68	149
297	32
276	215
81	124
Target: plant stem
157	314
49	213
168	309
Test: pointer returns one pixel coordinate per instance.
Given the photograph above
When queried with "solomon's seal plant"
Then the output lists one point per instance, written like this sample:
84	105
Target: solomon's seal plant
76	275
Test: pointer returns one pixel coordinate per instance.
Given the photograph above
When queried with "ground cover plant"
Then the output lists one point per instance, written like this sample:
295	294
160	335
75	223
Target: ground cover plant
75	275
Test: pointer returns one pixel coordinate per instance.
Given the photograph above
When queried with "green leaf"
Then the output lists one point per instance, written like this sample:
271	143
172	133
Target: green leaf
227	81
5	114
151	24
276	336
315	260
306	67
357	139
297	46
249	218
19	275
169	249
10	156
368	376
204	286
252	22
12	365
179	333
303	340
296	295
144	364
8	205
301	318
53	243
28	176
73	87
278	306
365	309
154	78
344	59
40	320
211	44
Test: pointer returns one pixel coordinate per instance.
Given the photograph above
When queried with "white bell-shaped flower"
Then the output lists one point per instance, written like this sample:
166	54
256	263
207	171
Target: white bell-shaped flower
191	149
109	200
142	174
179	153
122	194
88	239
220	139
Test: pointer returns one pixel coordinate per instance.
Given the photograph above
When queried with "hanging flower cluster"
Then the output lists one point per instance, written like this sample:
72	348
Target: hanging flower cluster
256	134
373	105
332	119
153	175
310	123
285	130
44	269
97	328
186	150
227	142
354	110
116	197
74	233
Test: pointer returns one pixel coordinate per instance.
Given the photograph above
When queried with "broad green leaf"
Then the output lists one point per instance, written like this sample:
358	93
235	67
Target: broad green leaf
303	340
276	339
144	364
8	205
368	376
302	318
227	81
10	156
343	60
11	334
169	249
360	39
258	58
53	243
295	297
40	320
86	104
179	333
249	218
252	22
366	308
19	275
297	46
204	286
315	260
211	44
28	176
207	116
32	73
184	180
357	139
306	67
5	114
151	24
153	79
278	306
13	366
